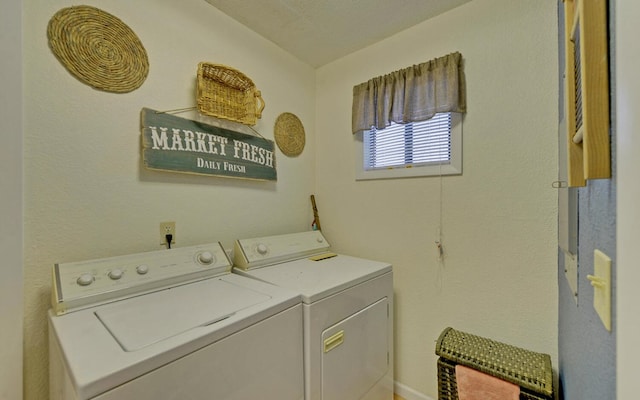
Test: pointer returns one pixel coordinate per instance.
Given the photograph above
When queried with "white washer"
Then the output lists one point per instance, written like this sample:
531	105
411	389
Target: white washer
347	307
172	325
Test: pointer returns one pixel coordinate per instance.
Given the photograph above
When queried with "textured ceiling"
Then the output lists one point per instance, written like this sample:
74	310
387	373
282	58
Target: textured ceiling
321	31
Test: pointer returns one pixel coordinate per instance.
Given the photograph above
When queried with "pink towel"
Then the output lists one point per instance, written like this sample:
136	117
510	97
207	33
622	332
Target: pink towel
475	385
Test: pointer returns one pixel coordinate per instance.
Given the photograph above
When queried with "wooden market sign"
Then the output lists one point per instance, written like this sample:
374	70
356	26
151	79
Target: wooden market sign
171	143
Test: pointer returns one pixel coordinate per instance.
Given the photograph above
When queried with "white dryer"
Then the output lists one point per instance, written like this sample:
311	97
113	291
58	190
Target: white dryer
347	307
172	325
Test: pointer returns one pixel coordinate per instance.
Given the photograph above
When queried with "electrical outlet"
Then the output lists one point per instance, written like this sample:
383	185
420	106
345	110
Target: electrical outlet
167	228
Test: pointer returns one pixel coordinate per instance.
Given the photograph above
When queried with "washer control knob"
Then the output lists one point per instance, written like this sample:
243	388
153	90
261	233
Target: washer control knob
116	274
205	258
262	249
142	269
85	279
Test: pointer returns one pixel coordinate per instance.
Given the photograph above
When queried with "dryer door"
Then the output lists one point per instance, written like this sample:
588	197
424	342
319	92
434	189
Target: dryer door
355	353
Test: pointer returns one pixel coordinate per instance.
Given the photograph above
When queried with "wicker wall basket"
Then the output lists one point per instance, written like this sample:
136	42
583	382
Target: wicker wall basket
98	49
224	92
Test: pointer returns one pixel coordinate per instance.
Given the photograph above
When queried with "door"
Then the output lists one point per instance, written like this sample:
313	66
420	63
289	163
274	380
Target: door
355	353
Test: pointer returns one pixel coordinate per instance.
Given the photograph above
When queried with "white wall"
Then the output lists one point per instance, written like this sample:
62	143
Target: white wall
11	293
499	219
628	147
86	193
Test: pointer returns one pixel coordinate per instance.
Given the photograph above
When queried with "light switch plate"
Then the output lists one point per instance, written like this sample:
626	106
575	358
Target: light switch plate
601	282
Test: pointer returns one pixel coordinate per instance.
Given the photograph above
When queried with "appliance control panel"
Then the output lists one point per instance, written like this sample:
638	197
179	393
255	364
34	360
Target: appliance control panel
78	285
264	251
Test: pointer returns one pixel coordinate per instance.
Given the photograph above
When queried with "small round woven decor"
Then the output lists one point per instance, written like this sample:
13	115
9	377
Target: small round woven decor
289	134
98	49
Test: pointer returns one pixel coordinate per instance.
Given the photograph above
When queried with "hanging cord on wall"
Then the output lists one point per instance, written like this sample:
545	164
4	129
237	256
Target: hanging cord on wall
177	110
439	246
182	110
257	133
440	254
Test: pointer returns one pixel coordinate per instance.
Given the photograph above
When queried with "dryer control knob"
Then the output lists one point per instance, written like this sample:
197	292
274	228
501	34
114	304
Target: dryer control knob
116	274
142	269
206	258
85	279
320	239
262	249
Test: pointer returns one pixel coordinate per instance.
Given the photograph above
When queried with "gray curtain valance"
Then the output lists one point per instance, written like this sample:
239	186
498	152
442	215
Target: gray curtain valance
412	94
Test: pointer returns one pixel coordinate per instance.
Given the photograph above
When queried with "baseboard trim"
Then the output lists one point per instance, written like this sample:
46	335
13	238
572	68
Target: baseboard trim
408	393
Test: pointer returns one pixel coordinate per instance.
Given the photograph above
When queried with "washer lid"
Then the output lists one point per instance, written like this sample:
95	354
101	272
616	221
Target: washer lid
154	317
97	363
316	280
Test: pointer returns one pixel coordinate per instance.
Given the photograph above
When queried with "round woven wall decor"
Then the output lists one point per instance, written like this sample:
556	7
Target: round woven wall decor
98	49
289	134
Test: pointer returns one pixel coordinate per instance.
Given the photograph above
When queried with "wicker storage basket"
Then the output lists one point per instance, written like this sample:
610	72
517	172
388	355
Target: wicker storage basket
224	92
527	369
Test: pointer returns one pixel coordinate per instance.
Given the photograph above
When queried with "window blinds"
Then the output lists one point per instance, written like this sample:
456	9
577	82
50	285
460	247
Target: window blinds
409	145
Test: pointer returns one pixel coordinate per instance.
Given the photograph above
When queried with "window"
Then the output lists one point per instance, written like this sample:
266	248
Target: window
425	148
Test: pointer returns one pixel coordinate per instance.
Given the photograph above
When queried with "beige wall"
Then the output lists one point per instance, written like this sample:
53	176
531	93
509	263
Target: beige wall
11	201
43	247
499	276
86	194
